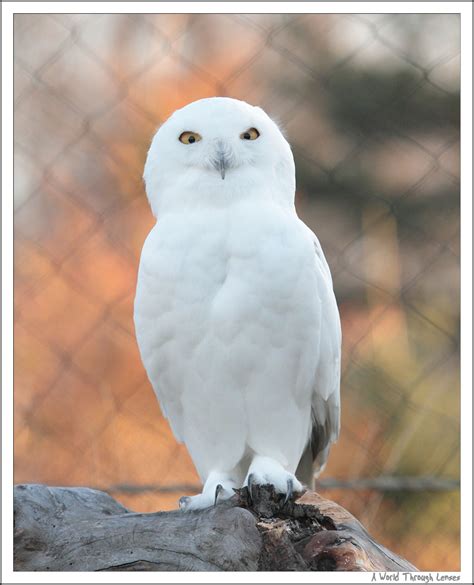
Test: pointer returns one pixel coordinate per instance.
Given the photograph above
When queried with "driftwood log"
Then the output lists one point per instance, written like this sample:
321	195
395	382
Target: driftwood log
81	529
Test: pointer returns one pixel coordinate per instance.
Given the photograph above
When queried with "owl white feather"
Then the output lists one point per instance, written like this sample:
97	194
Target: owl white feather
235	314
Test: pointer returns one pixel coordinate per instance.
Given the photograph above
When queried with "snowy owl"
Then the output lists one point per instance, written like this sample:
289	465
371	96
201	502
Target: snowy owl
235	315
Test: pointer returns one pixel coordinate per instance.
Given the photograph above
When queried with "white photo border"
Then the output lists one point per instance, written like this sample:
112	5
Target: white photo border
8	11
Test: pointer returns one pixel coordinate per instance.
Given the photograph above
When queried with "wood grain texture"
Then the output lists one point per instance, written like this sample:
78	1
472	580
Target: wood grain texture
80	529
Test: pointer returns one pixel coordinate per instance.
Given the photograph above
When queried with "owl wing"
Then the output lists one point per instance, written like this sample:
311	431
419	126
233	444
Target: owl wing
325	402
154	329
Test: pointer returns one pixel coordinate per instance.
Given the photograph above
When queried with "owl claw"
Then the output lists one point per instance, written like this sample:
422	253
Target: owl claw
219	490
289	489
250	484
183	502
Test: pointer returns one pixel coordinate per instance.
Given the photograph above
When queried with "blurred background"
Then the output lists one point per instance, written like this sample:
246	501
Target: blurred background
370	104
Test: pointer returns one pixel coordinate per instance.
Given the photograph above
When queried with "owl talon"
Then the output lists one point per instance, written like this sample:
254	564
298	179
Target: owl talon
219	490
289	490
250	484
183	502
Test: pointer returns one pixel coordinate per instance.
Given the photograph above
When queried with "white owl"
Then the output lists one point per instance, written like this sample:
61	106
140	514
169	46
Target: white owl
235	314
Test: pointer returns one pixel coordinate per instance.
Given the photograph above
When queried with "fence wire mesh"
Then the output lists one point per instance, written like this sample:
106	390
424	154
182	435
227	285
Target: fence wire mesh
370	104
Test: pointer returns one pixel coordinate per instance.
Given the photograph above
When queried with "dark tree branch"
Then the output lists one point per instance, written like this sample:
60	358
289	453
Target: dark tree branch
80	529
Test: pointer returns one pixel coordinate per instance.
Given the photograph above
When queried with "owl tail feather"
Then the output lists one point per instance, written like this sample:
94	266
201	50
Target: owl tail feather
308	468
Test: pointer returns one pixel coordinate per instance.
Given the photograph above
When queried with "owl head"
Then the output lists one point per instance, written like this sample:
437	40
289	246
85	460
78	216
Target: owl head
216	152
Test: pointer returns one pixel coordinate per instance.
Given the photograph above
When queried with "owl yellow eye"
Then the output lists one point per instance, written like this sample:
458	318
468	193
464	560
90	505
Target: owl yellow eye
250	134
189	137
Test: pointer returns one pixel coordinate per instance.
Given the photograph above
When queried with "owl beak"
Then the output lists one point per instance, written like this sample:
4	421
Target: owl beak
222	160
222	166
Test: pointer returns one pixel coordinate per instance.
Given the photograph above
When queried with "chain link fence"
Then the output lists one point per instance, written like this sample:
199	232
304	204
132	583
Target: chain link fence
370	104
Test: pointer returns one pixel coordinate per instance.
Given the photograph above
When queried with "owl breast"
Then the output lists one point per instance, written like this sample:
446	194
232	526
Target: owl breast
227	315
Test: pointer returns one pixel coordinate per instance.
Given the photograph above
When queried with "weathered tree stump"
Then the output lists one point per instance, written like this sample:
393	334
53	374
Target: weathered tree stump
81	529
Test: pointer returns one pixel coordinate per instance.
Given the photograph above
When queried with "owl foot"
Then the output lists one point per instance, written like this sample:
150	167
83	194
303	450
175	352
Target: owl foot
264	471
218	487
